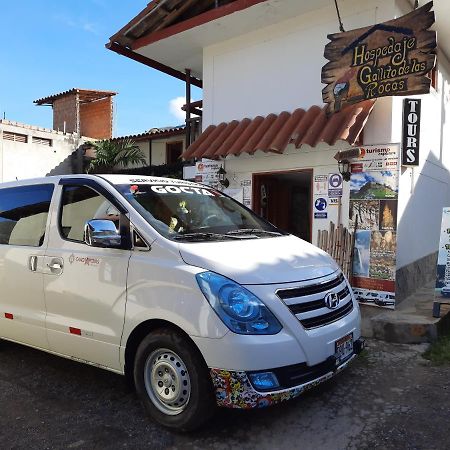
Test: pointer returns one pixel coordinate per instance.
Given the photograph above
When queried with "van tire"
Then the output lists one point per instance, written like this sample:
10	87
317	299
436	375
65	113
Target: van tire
187	369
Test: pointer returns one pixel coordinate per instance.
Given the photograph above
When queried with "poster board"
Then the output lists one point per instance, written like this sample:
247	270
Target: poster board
374	185
442	287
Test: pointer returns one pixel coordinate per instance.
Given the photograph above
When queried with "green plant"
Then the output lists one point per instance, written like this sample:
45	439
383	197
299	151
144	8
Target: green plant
111	154
439	351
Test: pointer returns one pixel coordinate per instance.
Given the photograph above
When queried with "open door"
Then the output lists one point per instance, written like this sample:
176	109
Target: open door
284	199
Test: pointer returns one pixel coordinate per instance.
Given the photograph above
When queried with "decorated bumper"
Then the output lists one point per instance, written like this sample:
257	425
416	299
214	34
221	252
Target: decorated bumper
234	390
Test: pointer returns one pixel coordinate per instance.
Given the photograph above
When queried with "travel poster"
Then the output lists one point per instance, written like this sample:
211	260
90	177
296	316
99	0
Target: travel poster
373	216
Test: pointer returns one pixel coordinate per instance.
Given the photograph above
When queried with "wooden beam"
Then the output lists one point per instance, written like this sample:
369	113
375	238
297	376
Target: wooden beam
196	104
124	51
170	18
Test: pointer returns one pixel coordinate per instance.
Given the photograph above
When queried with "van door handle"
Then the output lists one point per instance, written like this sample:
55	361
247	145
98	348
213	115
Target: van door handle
32	263
56	266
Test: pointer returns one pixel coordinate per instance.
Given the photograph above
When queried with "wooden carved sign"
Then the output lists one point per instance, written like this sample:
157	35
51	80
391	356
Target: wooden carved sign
391	58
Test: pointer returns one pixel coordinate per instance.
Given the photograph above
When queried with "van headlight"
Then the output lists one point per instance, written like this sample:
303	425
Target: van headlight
240	310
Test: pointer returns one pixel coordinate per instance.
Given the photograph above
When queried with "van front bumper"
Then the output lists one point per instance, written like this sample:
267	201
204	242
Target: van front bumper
234	389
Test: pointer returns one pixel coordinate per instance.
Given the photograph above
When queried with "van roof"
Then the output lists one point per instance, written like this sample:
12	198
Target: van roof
113	179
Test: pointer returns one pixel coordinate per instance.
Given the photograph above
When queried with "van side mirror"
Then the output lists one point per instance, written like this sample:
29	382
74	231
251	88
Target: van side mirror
102	233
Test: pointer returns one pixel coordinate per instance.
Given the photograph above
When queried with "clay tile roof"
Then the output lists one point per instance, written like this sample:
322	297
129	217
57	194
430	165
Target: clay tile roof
85	95
274	132
154	133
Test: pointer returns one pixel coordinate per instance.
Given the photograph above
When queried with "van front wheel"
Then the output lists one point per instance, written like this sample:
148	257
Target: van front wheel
172	381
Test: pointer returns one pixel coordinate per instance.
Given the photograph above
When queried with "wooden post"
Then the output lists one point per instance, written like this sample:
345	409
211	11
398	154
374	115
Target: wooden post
188	107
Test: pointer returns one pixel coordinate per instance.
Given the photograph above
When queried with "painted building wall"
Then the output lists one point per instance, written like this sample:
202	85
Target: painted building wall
277	68
19	160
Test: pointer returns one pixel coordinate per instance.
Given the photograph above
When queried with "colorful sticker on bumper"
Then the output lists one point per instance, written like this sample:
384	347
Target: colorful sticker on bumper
234	390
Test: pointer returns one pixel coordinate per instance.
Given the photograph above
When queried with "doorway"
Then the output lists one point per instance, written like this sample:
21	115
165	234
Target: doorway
284	199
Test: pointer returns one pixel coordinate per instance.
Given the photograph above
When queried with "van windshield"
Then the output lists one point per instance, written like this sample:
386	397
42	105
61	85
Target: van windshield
191	213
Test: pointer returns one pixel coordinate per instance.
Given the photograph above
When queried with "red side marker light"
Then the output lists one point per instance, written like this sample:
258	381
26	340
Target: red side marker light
9	316
76	331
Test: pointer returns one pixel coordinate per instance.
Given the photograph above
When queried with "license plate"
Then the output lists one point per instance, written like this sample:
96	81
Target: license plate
343	348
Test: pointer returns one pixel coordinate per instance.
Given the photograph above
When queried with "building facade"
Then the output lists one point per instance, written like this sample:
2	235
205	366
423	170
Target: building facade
259	63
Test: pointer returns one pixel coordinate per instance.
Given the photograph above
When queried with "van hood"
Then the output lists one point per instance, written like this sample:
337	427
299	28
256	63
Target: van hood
282	259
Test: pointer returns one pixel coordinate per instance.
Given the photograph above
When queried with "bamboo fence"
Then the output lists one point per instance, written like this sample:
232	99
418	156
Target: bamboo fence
339	243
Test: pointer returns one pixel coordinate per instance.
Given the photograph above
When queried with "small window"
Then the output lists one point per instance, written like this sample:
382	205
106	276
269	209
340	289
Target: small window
81	204
173	152
16	137
23	214
41	141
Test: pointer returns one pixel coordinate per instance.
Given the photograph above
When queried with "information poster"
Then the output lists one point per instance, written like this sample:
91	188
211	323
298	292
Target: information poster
373	216
207	172
443	262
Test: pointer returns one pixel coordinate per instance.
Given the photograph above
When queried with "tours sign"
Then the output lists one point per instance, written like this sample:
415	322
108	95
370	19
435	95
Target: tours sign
391	58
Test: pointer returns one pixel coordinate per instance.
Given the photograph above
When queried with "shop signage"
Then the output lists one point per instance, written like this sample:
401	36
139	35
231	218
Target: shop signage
411	131
374	185
207	172
391	58
335	185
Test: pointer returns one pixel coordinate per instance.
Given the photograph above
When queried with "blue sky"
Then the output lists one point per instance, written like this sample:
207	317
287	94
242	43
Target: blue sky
51	46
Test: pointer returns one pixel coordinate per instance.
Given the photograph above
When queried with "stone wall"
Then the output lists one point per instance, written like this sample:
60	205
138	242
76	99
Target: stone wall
413	276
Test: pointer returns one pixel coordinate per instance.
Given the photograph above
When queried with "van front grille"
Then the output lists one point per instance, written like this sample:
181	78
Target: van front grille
307	302
330	317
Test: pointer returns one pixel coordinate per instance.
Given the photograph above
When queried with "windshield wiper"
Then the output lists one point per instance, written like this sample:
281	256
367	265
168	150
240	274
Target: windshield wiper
253	231
202	236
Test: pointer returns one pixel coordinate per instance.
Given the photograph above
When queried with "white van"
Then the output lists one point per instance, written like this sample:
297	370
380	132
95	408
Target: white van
175	285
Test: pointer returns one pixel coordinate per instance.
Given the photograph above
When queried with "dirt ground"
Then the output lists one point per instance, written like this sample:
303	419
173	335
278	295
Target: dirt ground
389	398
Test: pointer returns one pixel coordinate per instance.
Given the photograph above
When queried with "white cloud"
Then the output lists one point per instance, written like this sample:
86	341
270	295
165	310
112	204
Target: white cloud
175	108
79	23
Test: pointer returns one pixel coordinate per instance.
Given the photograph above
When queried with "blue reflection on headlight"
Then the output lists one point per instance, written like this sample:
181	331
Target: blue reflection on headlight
240	310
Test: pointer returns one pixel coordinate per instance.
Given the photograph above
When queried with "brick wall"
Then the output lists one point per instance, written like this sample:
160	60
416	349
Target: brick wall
96	119
65	110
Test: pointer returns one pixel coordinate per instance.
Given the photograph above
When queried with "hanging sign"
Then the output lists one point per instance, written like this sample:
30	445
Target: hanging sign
391	58
411	131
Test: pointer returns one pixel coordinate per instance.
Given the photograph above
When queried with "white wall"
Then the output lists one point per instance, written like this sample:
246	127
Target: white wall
425	190
279	67
29	160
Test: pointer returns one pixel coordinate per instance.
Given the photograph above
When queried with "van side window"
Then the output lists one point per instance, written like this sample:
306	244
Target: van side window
79	205
23	214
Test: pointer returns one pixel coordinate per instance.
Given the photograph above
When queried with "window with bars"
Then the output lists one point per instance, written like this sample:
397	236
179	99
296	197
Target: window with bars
41	141
16	137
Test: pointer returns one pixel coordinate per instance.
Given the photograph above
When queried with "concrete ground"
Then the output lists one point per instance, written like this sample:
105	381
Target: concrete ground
389	398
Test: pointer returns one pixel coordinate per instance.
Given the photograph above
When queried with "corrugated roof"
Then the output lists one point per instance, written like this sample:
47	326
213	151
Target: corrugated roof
154	133
85	95
274	132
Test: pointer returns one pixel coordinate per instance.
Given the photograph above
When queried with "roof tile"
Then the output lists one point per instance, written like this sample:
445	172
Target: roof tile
274	132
